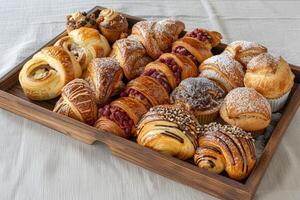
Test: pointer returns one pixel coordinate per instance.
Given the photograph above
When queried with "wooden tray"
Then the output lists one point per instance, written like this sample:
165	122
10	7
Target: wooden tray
12	99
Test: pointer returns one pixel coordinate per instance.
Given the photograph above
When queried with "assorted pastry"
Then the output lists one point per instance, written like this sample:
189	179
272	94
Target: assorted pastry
162	88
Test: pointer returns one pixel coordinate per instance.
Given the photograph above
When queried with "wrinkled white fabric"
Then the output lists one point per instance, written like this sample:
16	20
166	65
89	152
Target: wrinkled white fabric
39	163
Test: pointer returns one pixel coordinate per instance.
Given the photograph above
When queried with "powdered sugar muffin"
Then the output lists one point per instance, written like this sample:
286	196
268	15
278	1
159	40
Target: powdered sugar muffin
246	108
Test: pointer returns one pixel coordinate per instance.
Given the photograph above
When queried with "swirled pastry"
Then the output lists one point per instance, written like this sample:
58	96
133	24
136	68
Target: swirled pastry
157	37
271	77
225	147
112	25
131	55
170	130
224	70
105	78
78	102
121	116
247	109
80	19
197	44
201	96
85	44
47	72
244	51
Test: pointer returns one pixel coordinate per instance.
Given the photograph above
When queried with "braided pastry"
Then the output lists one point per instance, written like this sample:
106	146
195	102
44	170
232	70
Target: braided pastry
225	147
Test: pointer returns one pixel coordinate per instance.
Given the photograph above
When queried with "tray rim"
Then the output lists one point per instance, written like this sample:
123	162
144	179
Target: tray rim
11	102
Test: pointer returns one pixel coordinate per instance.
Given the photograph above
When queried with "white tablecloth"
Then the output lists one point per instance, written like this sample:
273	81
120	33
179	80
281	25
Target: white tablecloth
39	163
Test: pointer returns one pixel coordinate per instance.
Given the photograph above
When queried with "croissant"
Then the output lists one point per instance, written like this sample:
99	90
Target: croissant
225	147
244	51
105	78
170	130
45	74
157	37
112	25
224	70
197	44
131	55
78	102
120	116
81	19
85	44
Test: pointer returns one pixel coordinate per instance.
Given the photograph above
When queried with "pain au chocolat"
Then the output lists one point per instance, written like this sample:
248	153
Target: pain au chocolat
170	130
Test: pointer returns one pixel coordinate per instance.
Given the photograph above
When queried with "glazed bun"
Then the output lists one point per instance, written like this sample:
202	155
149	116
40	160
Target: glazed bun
247	109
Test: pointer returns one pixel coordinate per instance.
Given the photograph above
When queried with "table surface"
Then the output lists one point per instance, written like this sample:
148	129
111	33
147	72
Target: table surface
39	163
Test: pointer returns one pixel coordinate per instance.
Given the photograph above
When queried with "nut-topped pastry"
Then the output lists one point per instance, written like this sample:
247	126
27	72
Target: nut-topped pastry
80	19
244	51
272	77
170	130
223	70
225	147
112	24
200	96
246	108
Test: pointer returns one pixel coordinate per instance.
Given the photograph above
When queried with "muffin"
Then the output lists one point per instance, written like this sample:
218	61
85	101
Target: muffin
246	108
201	96
271	77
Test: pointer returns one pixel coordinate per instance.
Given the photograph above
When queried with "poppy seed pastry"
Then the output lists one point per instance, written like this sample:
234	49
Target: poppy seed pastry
246	108
170	130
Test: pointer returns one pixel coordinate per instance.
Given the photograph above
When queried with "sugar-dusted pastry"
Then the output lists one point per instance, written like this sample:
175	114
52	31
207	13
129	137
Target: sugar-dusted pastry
77	101
121	116
244	51
201	96
112	24
85	44
131	55
80	19
170	69
224	70
170	130
197	44
157	36
105	78
247	109
271	77
225	147
47	72
147	90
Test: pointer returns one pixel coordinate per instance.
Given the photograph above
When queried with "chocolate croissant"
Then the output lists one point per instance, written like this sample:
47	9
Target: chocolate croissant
80	19
112	24
170	130
225	147
157	37
131	55
105	78
197	44
47	72
78	102
121	116
85	44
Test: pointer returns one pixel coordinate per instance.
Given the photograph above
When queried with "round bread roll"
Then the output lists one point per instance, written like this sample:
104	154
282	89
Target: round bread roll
246	108
270	76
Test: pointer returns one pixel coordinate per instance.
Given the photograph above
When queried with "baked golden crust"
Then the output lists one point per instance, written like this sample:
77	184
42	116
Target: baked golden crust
224	70
80	19
131	55
85	44
226	148
105	124
270	76
112	25
77	101
169	130
244	51
105	78
157	37
45	74
247	109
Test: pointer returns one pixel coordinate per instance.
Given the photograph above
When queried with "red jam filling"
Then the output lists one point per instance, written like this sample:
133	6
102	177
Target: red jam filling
184	52
158	75
200	34
170	62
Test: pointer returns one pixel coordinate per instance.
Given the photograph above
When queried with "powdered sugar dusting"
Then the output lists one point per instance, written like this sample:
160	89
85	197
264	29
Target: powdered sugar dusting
262	60
245	45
